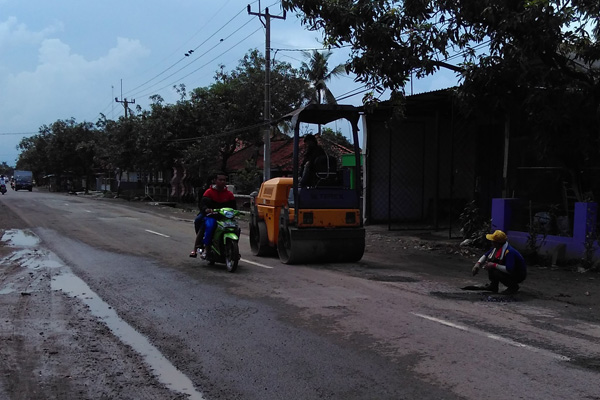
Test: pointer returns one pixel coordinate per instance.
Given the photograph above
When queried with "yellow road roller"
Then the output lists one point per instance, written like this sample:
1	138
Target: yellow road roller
315	223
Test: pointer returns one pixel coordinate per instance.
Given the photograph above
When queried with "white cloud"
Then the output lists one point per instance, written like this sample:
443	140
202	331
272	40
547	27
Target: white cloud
14	33
65	84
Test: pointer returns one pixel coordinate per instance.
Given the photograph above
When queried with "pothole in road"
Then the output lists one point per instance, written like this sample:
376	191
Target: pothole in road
588	363
391	278
475	297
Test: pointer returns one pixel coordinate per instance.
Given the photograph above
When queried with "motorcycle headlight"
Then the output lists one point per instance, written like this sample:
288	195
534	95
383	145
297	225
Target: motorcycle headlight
229	214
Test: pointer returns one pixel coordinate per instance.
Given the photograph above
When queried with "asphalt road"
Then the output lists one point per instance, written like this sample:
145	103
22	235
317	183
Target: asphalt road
100	300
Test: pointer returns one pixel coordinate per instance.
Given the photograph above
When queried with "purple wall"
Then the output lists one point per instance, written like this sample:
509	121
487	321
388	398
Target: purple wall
584	222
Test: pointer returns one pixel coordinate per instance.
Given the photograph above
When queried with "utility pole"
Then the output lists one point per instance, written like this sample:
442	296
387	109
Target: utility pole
125	102
267	112
112	111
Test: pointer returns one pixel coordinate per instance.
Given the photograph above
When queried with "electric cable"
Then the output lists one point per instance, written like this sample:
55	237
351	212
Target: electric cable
202	66
193	61
128	93
18	133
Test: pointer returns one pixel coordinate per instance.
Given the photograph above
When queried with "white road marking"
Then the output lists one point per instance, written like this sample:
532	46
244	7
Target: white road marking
160	366
63	279
156	233
255	263
494	337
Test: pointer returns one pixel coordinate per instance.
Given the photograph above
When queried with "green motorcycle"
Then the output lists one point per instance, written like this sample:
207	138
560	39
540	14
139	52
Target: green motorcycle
224	245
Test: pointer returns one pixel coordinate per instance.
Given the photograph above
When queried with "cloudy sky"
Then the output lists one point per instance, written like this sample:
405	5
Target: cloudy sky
64	59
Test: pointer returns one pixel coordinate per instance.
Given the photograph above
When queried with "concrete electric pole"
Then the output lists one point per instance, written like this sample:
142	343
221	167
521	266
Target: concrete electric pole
267	112
125	103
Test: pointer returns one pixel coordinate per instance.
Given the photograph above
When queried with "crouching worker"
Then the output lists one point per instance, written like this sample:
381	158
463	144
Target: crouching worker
503	263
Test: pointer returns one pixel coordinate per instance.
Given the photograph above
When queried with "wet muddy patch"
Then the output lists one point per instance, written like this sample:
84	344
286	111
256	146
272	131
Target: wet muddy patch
20	238
32	264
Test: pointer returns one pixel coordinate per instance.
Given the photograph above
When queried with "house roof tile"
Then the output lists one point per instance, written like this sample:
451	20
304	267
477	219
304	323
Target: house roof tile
282	150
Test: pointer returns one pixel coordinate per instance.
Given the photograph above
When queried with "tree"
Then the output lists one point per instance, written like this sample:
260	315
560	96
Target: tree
391	39
336	138
317	72
34	155
335	144
536	59
199	132
65	148
117	148
6	169
233	106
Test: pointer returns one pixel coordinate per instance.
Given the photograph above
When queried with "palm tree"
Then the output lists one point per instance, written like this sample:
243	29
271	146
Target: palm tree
317	72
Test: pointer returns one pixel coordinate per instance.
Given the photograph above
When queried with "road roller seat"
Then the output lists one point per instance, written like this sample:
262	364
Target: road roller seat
321	171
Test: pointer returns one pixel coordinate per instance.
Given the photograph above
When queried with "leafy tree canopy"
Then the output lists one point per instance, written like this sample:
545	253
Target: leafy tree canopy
535	59
391	39
64	147
336	137
335	143
201	130
316	70
6	169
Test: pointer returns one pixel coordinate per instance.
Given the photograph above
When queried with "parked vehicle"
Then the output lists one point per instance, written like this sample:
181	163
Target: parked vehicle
319	223
23	180
224	247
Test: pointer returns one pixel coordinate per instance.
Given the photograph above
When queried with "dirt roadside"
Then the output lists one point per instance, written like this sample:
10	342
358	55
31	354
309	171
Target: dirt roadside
563	287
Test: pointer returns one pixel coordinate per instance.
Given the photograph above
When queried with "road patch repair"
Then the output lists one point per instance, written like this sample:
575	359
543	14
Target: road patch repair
476	296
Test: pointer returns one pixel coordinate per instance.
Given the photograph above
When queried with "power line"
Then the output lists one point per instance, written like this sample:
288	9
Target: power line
202	66
221	134
197	58
18	133
110	104
180	47
309	49
183	58
351	94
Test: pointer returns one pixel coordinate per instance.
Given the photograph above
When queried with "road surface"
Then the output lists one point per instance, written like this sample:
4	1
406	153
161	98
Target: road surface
99	300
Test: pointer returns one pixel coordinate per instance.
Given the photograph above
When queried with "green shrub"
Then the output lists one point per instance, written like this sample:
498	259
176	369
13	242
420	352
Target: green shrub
474	226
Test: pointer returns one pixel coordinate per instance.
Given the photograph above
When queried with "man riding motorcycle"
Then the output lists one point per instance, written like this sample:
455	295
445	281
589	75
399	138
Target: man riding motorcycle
2	184
216	196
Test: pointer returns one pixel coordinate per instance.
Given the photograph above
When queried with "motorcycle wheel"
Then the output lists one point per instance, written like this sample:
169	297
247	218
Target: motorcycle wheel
232	255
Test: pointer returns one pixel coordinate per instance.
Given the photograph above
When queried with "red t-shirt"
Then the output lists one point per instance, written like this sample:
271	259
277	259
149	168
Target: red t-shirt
222	196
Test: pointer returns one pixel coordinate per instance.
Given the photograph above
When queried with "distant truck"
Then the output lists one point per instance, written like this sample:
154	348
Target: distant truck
23	180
